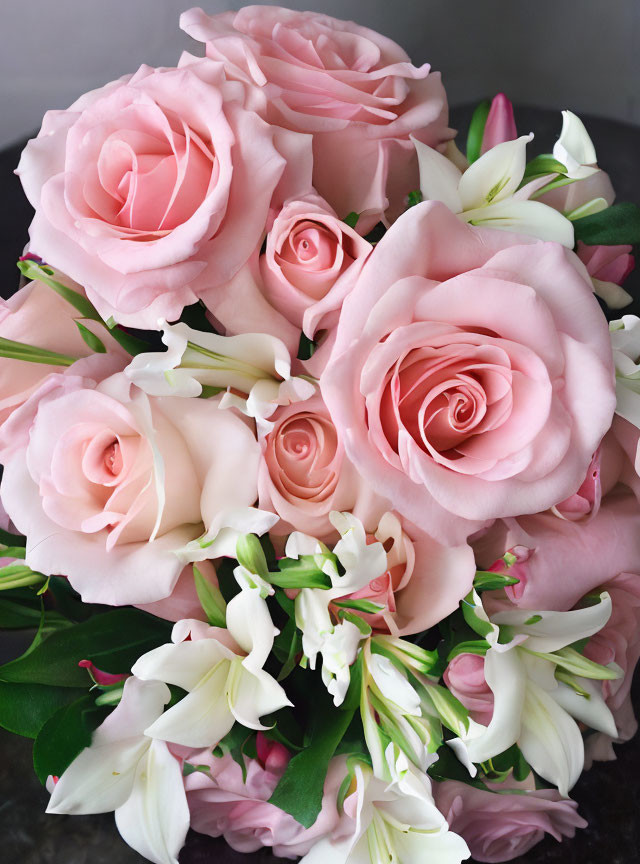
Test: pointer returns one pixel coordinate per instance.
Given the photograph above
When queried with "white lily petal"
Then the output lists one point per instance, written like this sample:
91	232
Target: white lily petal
255	695
550	740
301	544
556	630
313	619
222	535
593	711
99	779
202	718
250	624
439	177
362	561
184	664
532	218
393	685
613	295
155	819
506	676
574	148
496	175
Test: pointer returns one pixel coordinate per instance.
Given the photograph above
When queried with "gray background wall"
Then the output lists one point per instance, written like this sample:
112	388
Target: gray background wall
555	53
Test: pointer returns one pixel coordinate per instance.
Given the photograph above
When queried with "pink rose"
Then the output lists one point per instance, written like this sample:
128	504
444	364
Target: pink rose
183	602
425	580
472	374
607	263
464	676
109	484
38	316
618	642
222	804
311	261
154	188
500	827
304	474
354	90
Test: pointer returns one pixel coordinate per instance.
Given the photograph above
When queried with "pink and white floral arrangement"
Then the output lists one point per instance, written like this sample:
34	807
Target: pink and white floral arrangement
320	457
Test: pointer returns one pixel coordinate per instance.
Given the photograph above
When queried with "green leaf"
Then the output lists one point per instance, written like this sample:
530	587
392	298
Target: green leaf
25	708
365	606
300	789
113	641
476	646
235	743
413	198
208	391
302	572
91	339
251	556
477	624
211	600
448	767
487	580
9	539
476	130
64	736
44	274
542	165
33	354
286	647
131	344
619	224
16	615
351	219
306	348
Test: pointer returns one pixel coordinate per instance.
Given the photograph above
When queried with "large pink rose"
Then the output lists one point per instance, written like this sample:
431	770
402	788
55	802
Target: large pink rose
500	827
110	484
38	316
304	473
154	188
354	90
223	804
472	375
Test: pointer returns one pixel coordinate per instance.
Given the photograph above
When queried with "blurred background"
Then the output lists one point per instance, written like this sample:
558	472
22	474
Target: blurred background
581	54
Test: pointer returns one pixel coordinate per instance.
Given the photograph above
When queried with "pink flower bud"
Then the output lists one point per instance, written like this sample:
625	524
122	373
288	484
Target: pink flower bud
105	679
500	125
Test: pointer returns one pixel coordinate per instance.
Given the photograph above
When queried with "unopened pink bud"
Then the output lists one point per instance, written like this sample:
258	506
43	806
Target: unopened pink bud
103	678
500	125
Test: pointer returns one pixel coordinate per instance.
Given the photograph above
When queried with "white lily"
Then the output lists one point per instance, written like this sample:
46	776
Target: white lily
362	562
574	148
221	537
532	707
253	370
397	822
224	685
625	342
136	776
487	192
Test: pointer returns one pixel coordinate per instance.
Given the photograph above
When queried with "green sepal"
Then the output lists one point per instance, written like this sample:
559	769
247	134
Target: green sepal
476	130
251	556
477	646
211	599
364	606
487	580
414	197
351	219
482	628
91	339
302	572
541	166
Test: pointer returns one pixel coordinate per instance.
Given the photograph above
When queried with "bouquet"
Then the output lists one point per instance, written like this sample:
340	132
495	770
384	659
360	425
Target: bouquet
320	457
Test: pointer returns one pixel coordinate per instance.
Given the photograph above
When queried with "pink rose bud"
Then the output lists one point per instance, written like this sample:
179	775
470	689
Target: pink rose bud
464	676
607	263
273	755
105	679
500	125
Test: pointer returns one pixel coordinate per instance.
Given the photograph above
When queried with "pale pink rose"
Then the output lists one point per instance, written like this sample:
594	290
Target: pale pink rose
607	263
310	263
425	580
618	642
222	804
304	473
38	316
464	676
154	188
574	195
110	484
183	602
354	90
472	375
500	827
500	125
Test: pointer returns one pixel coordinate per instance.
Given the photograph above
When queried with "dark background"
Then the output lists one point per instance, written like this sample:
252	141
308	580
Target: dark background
608	794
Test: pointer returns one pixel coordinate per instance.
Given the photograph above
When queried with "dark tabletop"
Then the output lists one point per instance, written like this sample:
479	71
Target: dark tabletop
608	795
